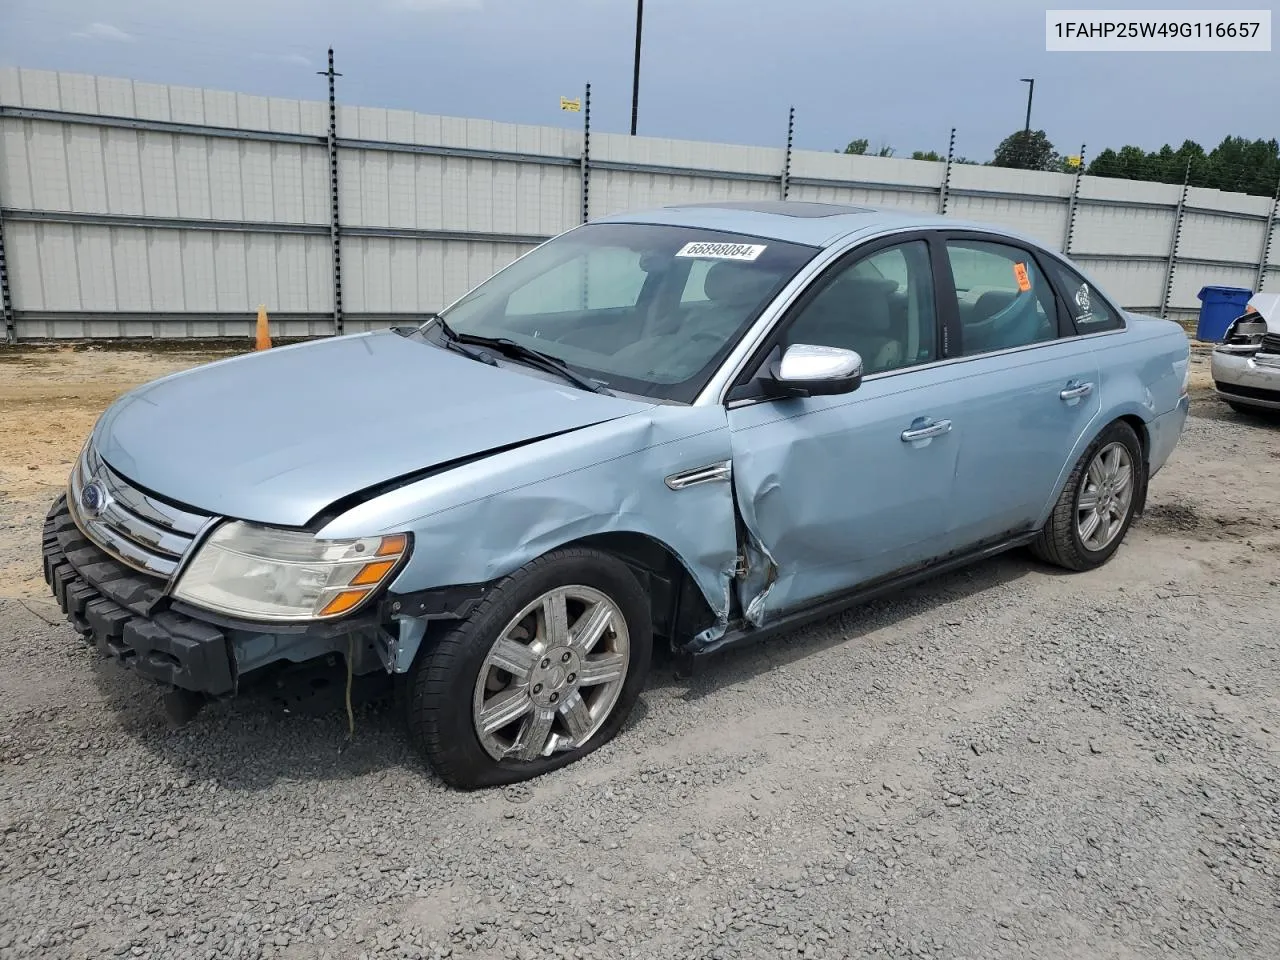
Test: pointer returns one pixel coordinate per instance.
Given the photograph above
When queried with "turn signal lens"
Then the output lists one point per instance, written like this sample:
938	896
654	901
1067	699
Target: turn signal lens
393	545
343	602
372	573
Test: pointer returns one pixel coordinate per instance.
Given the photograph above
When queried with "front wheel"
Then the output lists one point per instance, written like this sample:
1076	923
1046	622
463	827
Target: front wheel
1096	505
546	670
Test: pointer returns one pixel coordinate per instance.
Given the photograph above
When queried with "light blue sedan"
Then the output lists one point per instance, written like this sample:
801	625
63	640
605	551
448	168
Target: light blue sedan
700	424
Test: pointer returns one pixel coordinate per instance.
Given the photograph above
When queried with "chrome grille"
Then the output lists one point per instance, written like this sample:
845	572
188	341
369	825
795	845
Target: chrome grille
142	531
1271	343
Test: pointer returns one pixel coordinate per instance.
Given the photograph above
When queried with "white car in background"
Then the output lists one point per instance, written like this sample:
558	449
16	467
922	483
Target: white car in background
1246	365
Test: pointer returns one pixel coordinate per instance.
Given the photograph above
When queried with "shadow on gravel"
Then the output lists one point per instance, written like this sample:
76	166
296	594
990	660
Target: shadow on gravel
258	738
252	741
1208	406
745	661
1184	519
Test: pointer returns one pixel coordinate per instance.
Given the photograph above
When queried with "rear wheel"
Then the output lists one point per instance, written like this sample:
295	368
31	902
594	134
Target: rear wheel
1096	506
545	671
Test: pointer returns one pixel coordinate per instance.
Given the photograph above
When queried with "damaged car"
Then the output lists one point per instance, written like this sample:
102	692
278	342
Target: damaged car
1246	364
694	426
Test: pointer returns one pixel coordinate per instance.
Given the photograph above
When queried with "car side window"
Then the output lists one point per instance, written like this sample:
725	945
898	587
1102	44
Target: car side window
882	306
1088	311
1004	301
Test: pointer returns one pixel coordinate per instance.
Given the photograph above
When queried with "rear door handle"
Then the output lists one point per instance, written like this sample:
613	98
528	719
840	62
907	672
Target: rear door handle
1075	390
934	428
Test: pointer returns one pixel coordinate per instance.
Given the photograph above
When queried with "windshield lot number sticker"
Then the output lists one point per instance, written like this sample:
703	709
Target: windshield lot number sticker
1020	274
722	251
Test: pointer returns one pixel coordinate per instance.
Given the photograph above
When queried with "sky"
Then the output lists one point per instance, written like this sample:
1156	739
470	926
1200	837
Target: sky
900	73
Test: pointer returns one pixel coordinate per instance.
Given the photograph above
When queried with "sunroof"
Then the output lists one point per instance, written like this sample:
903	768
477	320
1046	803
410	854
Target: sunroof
785	208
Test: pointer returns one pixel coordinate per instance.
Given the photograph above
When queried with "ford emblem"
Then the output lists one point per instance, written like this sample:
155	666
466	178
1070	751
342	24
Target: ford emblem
92	496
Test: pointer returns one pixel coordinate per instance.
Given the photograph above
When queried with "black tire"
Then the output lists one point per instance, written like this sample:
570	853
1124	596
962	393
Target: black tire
440	685
1059	541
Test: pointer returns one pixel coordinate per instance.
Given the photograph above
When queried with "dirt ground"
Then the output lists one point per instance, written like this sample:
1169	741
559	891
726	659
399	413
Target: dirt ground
50	398
1005	762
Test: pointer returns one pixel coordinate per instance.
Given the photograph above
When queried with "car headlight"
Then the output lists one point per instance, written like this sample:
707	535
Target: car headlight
266	573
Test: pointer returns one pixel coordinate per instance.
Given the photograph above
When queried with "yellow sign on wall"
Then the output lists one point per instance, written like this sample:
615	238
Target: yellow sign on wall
1073	161
573	106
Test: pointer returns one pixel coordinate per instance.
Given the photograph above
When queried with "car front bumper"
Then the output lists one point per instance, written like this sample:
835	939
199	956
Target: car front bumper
129	616
1249	379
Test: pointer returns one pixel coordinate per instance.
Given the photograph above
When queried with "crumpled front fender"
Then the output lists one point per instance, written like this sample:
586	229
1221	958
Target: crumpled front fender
486	519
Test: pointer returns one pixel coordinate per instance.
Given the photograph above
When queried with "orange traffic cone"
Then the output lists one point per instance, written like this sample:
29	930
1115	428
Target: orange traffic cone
264	330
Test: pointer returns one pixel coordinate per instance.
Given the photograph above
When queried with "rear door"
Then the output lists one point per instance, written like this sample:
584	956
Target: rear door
1030	387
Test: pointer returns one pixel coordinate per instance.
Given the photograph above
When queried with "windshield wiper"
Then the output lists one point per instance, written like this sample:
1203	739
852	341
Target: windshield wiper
452	341
534	358
435	318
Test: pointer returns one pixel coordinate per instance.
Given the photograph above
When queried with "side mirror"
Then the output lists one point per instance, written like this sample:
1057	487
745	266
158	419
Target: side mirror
811	371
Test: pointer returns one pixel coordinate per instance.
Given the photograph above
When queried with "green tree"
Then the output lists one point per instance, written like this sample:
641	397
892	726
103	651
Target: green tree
1236	165
1027	150
860	147
927	155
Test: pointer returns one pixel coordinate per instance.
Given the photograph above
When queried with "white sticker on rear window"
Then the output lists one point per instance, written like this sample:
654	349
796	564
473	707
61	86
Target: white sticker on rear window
722	251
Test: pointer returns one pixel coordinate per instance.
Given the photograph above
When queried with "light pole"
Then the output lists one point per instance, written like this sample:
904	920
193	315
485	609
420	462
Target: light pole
635	82
1030	90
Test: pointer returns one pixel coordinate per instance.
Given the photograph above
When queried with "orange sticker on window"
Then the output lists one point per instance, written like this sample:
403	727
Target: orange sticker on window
1020	272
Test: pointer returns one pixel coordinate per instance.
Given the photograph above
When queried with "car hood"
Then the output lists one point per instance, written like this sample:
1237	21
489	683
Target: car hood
1268	307
277	436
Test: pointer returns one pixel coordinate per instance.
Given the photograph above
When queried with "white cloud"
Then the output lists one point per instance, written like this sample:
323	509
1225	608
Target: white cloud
104	31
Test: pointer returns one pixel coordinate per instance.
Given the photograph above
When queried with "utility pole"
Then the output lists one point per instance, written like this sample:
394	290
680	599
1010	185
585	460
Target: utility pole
635	82
1030	90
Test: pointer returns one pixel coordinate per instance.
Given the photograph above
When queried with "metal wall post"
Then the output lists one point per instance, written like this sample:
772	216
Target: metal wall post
335	229
586	155
1258	283
786	163
6	298
1074	205
944	192
1173	247
586	189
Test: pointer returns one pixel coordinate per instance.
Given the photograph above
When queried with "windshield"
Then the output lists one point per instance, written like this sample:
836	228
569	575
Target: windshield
645	309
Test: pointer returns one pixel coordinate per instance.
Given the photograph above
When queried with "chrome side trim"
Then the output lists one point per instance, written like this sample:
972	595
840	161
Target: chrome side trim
710	473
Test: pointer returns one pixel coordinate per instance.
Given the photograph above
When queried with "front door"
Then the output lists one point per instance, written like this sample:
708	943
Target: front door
837	491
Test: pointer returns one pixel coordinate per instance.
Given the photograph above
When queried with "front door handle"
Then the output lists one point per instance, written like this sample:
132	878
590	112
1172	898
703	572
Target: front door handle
934	428
1075	389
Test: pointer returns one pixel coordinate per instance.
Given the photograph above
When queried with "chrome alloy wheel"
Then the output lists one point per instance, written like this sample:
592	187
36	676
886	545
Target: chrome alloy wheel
1105	497
553	675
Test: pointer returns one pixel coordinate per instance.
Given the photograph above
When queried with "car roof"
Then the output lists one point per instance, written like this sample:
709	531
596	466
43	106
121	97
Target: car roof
799	221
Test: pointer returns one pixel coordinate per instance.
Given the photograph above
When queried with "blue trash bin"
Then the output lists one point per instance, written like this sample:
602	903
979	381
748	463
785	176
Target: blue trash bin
1218	307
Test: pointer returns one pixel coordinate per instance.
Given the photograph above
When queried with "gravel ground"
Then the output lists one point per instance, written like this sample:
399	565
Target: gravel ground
1007	762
